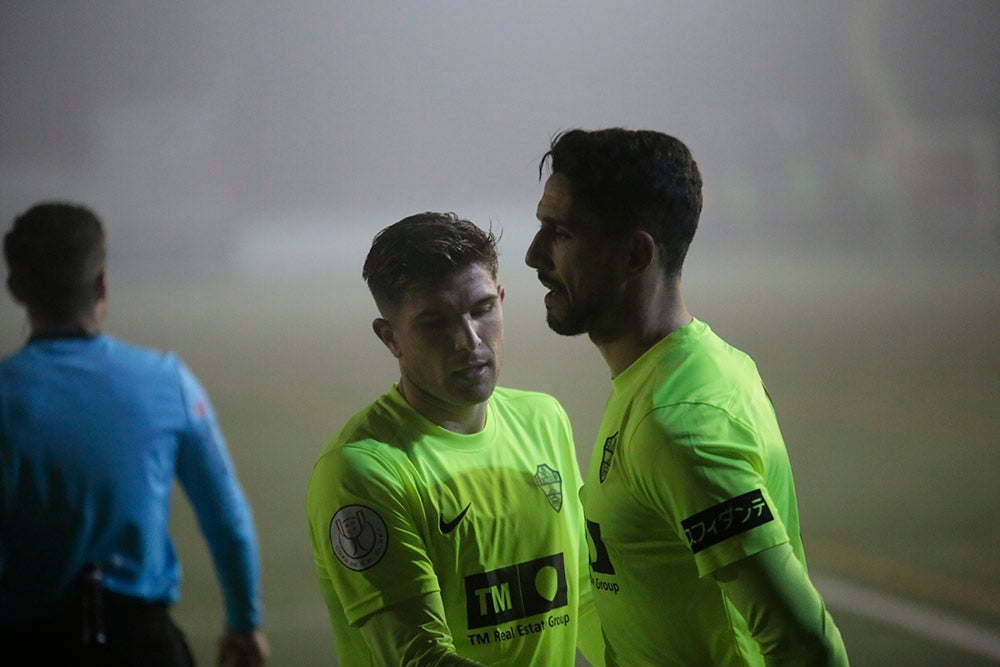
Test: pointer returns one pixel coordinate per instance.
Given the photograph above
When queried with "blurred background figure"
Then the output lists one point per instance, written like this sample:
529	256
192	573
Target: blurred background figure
93	432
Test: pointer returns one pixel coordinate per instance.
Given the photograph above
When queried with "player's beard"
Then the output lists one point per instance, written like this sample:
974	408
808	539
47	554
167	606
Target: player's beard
594	315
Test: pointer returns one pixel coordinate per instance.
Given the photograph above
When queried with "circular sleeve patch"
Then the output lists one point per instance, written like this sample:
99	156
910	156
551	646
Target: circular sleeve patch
358	537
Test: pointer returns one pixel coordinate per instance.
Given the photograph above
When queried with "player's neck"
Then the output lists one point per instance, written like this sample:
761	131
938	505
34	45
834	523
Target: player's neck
648	321
41	326
465	420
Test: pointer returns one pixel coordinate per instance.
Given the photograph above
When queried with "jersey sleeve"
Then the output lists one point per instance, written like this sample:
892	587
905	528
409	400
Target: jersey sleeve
368	543
206	472
784	612
413	632
701	470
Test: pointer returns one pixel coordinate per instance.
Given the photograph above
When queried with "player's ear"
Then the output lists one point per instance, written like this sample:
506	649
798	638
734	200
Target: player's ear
383	330
641	252
17	291
500	292
101	285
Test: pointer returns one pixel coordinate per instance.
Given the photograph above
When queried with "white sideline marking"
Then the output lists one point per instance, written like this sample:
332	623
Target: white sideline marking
918	619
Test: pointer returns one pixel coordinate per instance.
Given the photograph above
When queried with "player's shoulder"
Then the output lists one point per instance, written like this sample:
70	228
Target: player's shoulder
10	361
369	432
708	349
127	354
351	453
113	355
698	366
528	409
525	398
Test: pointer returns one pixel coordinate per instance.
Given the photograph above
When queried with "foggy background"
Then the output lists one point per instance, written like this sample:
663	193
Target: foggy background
220	135
243	154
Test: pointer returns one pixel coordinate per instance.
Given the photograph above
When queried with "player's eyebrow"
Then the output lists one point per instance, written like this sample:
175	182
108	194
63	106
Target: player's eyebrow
487	300
433	312
576	223
571	222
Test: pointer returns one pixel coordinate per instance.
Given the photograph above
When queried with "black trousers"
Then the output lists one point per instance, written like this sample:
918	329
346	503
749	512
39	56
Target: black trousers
136	634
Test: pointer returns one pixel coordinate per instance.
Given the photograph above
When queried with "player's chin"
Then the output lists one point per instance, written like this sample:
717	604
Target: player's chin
564	324
476	390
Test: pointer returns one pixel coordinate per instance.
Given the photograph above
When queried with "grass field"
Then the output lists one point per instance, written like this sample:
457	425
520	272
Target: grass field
885	374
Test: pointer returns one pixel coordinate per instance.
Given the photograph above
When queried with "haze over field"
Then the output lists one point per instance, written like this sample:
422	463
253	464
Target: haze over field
243	154
197	129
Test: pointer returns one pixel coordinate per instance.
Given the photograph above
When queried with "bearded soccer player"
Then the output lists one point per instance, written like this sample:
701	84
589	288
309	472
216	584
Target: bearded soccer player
696	554
444	517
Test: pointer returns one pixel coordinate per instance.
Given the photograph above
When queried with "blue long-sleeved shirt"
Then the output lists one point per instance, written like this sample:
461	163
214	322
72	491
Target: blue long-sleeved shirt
93	431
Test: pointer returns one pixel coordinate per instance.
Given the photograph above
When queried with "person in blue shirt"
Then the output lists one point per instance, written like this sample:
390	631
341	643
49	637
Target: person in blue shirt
93	432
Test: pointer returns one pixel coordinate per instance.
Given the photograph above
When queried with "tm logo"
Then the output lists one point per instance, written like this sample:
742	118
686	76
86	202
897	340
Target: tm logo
516	591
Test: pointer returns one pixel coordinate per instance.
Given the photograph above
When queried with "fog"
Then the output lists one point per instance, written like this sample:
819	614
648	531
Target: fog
243	154
205	133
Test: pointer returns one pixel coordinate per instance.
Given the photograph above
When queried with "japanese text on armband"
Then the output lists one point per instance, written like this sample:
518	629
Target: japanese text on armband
726	519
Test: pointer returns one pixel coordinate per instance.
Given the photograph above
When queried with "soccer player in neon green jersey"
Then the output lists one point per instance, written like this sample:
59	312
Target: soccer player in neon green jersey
695	552
445	517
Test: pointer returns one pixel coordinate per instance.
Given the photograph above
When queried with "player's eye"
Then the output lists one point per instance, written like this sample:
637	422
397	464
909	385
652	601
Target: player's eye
484	307
558	231
434	322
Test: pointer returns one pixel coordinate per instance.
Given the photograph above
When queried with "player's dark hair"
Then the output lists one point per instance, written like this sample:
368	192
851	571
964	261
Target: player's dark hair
633	179
54	253
424	250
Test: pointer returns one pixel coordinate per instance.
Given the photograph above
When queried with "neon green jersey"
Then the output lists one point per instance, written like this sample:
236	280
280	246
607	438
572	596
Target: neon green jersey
399	507
689	474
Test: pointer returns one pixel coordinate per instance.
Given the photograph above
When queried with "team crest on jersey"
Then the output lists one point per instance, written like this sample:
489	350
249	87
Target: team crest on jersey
610	444
358	537
550	482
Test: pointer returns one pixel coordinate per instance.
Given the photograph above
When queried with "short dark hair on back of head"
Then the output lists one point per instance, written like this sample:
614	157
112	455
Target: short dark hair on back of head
54	253
633	179
424	250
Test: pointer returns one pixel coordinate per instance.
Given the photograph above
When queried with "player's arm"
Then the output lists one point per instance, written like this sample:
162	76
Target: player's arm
782	608
413	633
207	474
590	639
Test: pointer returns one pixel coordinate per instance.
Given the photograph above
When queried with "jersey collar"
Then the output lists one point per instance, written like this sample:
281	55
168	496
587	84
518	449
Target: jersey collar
68	331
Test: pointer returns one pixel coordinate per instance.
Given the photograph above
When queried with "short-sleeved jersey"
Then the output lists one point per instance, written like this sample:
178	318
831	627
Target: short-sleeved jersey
689	474
399	507
93	432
